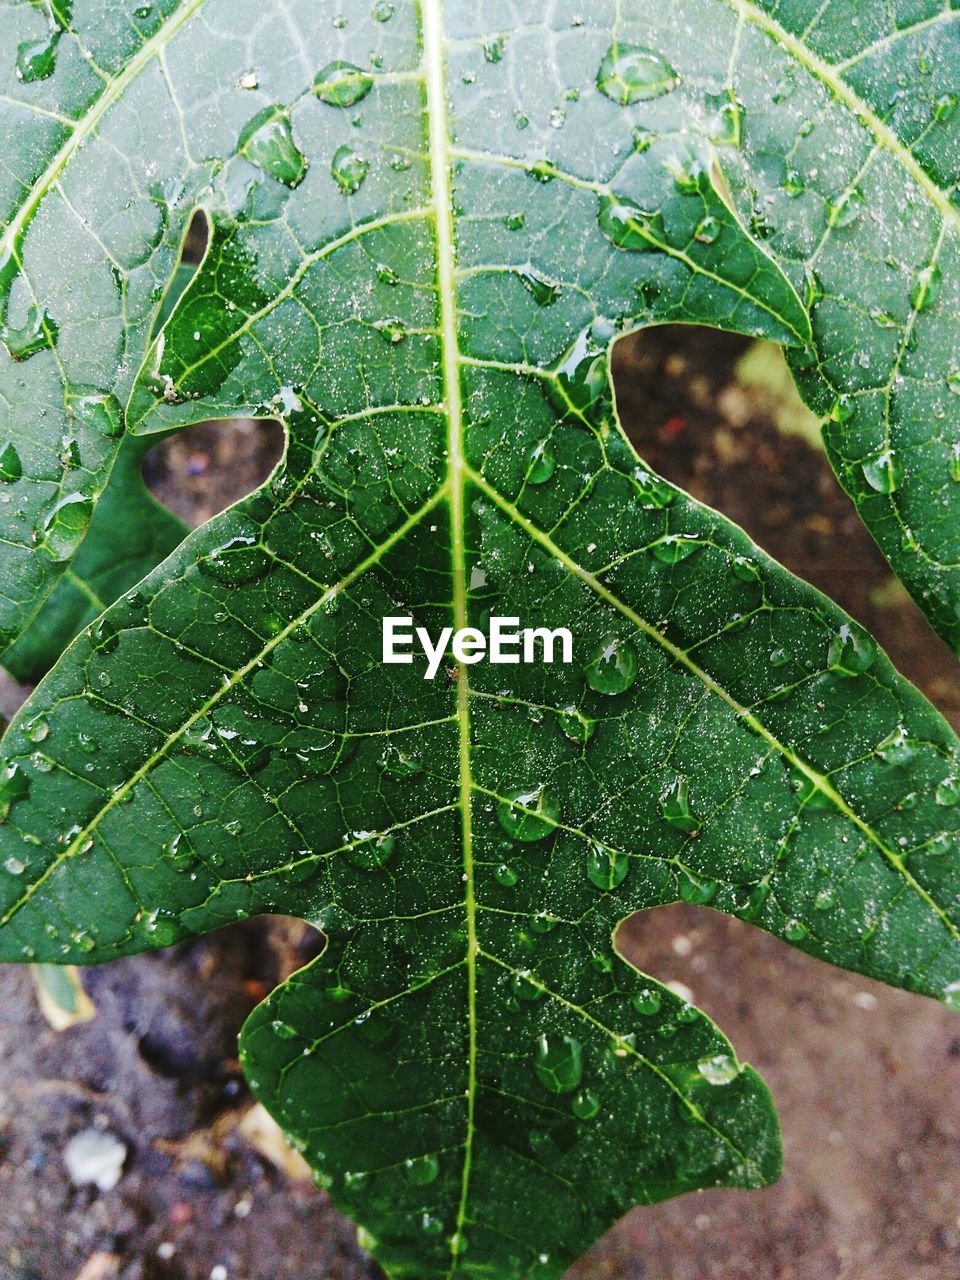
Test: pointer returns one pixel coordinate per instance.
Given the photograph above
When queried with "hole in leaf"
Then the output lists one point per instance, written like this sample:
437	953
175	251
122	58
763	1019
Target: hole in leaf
204	469
717	414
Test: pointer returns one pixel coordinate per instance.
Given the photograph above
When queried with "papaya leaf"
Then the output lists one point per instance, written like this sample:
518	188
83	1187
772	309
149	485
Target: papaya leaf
428	226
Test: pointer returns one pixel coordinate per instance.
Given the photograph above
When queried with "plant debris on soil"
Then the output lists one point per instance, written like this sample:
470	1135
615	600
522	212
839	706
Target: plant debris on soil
178	1187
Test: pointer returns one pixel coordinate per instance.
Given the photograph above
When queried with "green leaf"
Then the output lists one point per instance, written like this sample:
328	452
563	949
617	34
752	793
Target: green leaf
129	534
418	262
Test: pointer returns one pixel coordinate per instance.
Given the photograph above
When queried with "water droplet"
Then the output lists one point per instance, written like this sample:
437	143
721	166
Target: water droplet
654	494
745	569
953	466
581	382
506	875
948	792
826	898
897	747
643	139
38	334
543	291
794	183
648	1002
400	764
851	651
795	930
576	726
945	107
239	560
493	50
541	462
529	813
37	59
630	227
431	1226
370	850
613	667
14	866
884	472
719	1069
383	11
342	84
515	221
694	889
181	852
633	73
283	1030
813	290
585	1105
725	123
523	986
676	808
422	1171
11	469
267	141
926	288
708	230
99	413
558	1061
846	209
606	868
349	169
674	547
65	527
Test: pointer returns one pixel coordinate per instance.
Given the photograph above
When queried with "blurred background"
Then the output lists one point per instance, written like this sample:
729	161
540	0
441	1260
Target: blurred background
130	1148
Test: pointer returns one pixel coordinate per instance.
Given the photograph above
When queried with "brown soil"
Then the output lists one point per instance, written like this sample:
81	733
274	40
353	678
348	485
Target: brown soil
867	1079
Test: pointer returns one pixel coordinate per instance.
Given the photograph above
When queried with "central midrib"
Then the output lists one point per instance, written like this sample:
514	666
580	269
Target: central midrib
434	42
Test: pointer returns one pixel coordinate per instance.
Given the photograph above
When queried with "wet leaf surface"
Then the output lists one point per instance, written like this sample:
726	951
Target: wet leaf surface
423	283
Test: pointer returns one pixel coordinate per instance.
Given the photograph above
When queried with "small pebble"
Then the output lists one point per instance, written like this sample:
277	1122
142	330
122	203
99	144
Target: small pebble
96	1159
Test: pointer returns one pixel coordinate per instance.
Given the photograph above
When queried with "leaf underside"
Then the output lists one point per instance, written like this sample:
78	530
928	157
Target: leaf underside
419	259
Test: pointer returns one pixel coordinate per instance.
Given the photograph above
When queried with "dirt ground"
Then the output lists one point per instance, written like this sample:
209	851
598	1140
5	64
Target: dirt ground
867	1079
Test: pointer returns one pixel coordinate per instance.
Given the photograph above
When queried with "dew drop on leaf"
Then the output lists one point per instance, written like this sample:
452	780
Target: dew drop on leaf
647	1002
948	792
795	930
633	73
953	381
677	810
342	84
845	209
852	651
11	468
575	725
708	230
39	333
720	1069
506	875
725	121
529	813
606	868
586	1105
613	666
65	527
884	472
422	1170
14	866
544	292
37	59
541	462
926	289
945	107
267	141
558	1061
349	170
696	890
370	850
674	547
